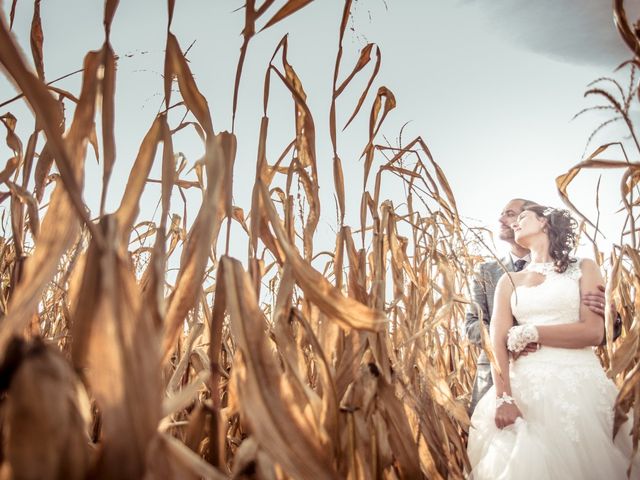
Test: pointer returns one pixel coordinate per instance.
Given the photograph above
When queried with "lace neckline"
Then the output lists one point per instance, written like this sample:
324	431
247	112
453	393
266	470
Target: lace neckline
542	268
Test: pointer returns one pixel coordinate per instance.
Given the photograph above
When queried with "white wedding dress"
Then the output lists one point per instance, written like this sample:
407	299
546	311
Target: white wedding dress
565	398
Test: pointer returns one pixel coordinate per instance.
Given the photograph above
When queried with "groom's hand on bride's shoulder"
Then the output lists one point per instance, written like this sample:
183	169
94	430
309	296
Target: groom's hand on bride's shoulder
596	301
530	348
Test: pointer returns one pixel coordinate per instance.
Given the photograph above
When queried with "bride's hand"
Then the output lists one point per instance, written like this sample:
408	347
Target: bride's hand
530	348
506	415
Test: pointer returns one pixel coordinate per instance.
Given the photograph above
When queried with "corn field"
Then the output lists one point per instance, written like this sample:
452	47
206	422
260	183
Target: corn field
287	363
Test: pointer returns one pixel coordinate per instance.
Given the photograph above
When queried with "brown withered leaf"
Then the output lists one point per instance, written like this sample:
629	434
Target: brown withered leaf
177	64
28	157
362	62
110	7
46	402
130	203
357	284
9	168
238	215
563	181
60	225
12	13
108	85
296	351
249	462
625	29
13	141
177	378
247	32
171	459
311	192
338	183
305	128
348	312
442	181
375	122
332	111
273	410
48	114
171	6
229	146
327	405
287	9
627	394
93	141
199	241
32	207
169	174
153	279
43	166
62	93
37	39
115	343
216	433
256	199
440	393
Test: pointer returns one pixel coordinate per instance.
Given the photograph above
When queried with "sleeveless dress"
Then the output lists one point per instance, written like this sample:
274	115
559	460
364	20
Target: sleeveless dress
565	398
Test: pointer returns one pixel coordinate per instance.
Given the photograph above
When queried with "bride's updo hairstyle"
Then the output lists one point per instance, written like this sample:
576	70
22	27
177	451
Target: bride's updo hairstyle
561	228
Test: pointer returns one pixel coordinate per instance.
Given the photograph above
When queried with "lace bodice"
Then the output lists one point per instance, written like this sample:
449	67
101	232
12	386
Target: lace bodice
556	300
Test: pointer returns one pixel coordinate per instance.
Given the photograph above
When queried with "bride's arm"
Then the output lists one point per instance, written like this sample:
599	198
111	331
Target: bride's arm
501	321
589	330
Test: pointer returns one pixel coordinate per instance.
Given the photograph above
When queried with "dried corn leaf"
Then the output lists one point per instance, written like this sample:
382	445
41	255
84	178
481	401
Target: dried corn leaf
274	420
13	141
116	341
129	206
60	224
108	85
200	239
287	9
344	310
192	97
37	38
47	413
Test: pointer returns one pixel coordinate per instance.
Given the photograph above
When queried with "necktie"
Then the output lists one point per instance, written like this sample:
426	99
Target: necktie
519	265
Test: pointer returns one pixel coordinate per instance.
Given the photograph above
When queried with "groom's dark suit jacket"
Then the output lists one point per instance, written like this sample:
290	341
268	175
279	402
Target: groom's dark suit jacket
483	288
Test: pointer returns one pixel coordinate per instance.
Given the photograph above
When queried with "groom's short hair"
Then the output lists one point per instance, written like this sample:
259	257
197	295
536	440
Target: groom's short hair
525	203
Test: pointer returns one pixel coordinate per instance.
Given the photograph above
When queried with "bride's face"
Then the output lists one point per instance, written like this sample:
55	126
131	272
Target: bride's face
526	226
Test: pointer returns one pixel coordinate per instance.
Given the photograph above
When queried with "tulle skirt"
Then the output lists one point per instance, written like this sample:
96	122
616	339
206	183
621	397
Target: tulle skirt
566	427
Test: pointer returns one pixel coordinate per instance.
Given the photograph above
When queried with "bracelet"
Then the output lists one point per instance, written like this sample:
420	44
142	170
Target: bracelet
504	399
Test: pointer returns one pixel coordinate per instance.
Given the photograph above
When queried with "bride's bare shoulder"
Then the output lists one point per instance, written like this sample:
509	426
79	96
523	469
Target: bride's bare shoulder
509	280
589	269
586	263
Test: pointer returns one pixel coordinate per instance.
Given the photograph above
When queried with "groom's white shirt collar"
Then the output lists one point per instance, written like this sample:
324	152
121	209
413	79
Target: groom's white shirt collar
514	258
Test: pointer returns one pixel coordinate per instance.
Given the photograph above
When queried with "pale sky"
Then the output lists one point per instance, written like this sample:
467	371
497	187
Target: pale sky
490	85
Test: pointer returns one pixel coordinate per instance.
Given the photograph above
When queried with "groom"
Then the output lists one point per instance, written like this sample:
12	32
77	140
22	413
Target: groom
483	287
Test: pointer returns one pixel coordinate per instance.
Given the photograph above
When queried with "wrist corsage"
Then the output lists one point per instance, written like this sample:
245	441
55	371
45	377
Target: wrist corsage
504	399
520	336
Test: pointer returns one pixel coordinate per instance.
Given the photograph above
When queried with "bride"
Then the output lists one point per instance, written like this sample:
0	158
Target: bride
549	414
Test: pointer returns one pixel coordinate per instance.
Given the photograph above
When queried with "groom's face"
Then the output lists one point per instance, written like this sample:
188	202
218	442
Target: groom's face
508	216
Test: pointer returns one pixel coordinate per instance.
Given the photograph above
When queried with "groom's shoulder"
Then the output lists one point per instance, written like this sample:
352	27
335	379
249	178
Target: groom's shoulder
493	265
492	269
